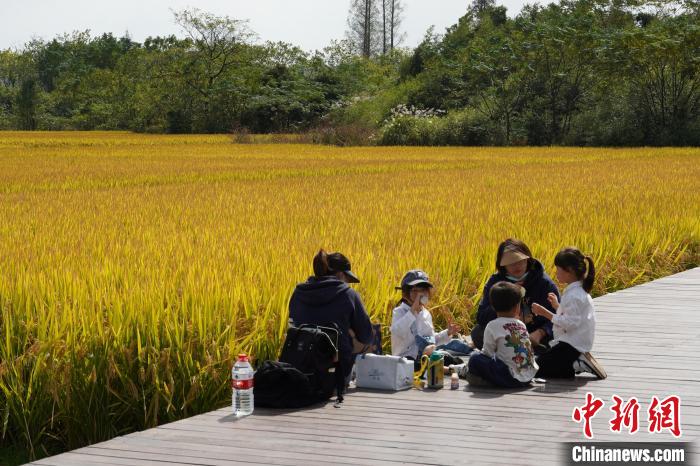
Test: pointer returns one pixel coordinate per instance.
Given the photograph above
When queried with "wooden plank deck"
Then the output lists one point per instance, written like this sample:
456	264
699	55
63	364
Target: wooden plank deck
648	339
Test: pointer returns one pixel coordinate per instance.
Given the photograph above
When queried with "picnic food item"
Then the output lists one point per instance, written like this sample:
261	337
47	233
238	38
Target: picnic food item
454	381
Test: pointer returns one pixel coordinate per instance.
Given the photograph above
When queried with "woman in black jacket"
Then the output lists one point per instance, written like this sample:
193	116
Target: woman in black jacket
514	263
325	299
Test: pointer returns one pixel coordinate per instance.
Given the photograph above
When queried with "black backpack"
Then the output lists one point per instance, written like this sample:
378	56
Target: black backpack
309	370
281	385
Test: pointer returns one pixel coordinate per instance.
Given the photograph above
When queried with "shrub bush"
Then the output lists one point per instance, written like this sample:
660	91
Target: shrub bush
463	128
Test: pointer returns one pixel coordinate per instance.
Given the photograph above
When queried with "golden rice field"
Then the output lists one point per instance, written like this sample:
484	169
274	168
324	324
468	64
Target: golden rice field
132	267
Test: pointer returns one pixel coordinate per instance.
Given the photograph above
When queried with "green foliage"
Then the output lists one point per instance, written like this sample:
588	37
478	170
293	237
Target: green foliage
212	80
463	128
574	72
26	104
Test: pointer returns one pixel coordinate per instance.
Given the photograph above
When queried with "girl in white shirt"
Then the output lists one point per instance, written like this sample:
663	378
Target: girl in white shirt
412	332
574	322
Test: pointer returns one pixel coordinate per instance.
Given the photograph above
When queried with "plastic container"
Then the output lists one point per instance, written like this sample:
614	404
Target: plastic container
454	381
436	371
242	385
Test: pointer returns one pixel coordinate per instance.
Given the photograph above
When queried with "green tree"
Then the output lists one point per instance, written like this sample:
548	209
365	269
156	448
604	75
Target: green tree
662	64
27	99
559	41
219	44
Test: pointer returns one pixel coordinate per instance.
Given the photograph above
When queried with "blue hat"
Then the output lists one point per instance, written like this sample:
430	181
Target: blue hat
415	277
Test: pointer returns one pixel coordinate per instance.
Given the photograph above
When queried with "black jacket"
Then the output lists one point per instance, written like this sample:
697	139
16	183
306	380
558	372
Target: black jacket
327	300
537	286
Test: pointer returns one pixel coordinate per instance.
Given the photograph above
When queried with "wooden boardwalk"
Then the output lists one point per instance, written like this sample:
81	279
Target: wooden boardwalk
648	339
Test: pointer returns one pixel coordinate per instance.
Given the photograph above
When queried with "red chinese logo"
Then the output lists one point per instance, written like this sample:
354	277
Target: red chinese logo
587	412
665	414
662	414
627	415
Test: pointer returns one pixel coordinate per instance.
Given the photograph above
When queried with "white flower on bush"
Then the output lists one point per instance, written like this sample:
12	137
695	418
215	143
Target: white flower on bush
342	103
403	110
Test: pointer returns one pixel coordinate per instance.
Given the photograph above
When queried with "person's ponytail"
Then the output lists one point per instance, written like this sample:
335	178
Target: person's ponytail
321	268
589	277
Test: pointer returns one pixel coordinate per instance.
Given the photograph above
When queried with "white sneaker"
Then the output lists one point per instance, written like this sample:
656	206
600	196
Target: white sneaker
587	363
460	369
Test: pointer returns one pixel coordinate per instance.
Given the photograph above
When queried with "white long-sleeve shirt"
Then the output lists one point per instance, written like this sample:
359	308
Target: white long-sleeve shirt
574	322
405	326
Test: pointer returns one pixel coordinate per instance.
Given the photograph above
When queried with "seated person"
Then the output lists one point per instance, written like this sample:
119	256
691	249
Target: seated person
326	298
515	264
506	359
412	332
574	320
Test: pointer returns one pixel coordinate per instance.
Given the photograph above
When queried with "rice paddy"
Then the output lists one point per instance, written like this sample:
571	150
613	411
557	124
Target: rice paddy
134	267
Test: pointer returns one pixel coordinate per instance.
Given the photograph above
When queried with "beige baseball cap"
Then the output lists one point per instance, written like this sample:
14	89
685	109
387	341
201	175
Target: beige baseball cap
511	256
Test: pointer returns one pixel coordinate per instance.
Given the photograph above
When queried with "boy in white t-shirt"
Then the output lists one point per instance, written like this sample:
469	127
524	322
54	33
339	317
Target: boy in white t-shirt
506	359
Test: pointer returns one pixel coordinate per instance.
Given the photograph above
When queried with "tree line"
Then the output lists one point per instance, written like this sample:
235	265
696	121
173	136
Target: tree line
374	26
578	72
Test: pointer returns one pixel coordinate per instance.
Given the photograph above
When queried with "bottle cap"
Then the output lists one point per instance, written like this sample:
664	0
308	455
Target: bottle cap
243	357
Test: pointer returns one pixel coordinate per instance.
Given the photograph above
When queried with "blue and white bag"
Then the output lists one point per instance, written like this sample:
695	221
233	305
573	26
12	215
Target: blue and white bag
382	372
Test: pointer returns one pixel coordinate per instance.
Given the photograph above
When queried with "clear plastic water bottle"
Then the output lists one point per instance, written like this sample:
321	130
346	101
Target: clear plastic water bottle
242	383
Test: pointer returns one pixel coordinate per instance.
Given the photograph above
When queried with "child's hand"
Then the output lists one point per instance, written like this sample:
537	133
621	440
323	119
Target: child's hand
453	328
416	306
428	350
541	311
552	298
537	309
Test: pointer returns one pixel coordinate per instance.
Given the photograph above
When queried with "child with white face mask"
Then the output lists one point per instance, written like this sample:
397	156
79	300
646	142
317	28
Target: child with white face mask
412	331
